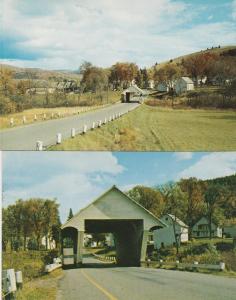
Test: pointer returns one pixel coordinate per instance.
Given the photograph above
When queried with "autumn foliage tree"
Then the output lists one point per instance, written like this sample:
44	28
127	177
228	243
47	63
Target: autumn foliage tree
30	219
199	65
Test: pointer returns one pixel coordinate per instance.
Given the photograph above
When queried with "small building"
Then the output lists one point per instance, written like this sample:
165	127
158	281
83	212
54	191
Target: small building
162	87
151	84
166	236
201	229
184	84
132	94
229	229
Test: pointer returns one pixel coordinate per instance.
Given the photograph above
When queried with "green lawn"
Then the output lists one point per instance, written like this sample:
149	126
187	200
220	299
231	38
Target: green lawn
162	129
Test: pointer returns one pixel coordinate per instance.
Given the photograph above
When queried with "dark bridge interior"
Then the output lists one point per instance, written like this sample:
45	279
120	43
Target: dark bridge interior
127	234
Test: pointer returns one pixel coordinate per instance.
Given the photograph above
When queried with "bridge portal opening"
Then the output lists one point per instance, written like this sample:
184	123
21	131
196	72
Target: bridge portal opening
127	234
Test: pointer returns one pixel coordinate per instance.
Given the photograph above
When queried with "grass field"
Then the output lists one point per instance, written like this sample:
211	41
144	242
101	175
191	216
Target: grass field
162	129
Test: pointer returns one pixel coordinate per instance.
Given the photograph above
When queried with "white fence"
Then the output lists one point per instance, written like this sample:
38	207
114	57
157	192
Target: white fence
193	266
105	258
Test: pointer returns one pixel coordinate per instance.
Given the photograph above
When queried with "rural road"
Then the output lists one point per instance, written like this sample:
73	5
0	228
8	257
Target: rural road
25	137
103	281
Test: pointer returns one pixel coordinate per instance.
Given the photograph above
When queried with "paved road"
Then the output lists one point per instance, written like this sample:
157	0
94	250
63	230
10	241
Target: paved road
115	283
25	137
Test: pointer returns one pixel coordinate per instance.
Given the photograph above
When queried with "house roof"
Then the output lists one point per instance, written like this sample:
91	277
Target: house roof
133	89
100	197
187	80
178	221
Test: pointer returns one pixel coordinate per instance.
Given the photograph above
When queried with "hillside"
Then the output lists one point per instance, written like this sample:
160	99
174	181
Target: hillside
227	181
41	74
224	51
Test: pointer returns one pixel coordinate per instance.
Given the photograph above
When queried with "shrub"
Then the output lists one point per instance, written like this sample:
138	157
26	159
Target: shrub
199	249
7	105
48	257
223	246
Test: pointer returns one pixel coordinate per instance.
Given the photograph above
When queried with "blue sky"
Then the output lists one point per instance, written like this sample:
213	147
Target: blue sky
76	178
60	34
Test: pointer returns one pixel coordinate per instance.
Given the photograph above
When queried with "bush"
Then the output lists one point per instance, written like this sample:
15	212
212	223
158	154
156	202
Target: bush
48	258
223	246
199	249
32	244
7	106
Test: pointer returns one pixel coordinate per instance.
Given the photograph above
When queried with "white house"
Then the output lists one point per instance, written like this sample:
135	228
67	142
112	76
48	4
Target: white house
48	242
166	236
151	84
184	84
201	229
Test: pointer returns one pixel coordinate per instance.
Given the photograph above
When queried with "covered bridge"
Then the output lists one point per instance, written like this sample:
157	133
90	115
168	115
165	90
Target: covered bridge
113	212
133	93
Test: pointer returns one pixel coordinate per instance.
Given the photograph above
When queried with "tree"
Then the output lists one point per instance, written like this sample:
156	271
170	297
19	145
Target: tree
122	74
7	85
198	66
70	214
94	79
167	74
194	200
149	198
214	194
176	205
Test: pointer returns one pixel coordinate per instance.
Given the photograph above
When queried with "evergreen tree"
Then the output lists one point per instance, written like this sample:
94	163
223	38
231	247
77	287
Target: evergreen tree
70	214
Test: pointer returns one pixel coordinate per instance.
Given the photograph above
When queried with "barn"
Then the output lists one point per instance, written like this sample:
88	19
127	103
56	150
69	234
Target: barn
184	84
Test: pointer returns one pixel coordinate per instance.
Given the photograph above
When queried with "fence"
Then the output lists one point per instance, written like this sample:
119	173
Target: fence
188	266
105	258
98	124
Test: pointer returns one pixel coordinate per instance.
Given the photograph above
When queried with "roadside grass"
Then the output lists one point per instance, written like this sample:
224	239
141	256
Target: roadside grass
204	251
161	129
41	289
87	103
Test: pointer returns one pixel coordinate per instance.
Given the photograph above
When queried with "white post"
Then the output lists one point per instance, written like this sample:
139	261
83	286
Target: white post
35	117
100	123
24	119
177	263
222	266
39	146
105	120
85	129
110	119
72	132
59	138
44	116
93	125
11	121
59	114
19	279
113	117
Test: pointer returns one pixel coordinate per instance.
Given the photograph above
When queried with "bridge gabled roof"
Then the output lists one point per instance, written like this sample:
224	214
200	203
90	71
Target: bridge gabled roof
114	205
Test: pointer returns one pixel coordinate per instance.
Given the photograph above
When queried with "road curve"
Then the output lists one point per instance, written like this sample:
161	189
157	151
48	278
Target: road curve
98	281
25	137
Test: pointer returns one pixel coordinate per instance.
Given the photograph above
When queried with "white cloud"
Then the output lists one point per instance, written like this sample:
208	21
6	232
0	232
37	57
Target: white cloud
234	9
104	31
211	166
73	178
183	156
